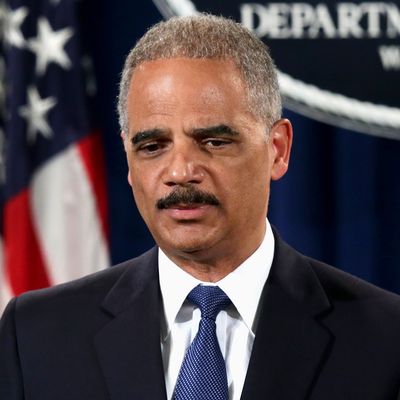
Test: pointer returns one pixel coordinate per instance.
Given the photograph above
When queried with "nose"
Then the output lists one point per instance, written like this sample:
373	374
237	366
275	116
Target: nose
183	167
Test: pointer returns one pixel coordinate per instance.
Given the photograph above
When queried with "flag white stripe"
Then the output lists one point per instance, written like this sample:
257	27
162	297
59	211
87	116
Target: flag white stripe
66	220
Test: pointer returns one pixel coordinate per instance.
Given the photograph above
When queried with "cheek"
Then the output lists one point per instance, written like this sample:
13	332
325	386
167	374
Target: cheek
251	182
243	188
146	187
253	169
140	187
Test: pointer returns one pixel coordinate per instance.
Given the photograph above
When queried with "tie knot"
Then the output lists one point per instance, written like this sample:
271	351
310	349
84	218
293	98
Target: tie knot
210	299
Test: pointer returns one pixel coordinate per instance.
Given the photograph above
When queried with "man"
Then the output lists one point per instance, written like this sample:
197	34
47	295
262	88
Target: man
201	124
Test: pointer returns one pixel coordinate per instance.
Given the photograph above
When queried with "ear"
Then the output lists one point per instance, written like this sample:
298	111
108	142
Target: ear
123	137
281	137
125	143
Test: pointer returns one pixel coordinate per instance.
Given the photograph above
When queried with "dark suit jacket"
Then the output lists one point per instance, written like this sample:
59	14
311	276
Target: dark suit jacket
322	334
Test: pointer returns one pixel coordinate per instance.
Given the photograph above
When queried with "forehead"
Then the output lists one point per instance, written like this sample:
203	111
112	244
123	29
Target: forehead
202	67
185	84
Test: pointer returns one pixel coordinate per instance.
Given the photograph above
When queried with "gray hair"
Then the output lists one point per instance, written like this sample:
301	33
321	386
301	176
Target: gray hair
211	37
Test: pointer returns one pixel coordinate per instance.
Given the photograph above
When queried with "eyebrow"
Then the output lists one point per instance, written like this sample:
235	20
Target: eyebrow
217	130
142	136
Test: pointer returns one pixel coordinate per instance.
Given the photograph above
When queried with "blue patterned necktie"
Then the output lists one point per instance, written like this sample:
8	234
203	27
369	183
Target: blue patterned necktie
203	373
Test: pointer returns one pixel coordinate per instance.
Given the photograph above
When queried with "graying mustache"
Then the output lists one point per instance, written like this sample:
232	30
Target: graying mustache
187	196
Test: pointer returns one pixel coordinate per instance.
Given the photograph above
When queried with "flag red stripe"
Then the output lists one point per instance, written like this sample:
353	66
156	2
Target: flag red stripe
92	153
24	263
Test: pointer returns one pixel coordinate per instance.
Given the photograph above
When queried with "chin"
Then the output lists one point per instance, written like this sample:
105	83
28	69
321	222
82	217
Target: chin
196	247
186	247
187	238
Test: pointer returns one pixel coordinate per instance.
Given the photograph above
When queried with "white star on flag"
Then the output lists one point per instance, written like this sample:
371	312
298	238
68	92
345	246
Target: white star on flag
35	114
49	46
12	21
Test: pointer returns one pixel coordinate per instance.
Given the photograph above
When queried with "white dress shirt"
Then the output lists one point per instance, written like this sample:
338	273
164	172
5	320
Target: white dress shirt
235	325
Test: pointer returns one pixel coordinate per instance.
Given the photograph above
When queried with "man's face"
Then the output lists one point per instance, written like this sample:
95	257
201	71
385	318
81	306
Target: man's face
200	163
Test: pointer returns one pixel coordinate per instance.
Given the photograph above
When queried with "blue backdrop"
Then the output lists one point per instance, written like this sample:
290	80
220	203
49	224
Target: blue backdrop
340	201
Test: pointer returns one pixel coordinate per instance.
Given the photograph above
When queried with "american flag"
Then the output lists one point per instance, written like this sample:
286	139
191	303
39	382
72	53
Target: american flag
53	193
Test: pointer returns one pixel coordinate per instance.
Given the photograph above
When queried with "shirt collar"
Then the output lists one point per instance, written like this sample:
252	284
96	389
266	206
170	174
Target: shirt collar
243	286
175	285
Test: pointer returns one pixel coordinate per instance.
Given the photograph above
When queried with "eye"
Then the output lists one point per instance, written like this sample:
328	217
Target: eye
150	148
212	143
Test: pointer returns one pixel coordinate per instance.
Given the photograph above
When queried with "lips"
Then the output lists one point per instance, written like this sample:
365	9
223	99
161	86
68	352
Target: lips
188	212
182	206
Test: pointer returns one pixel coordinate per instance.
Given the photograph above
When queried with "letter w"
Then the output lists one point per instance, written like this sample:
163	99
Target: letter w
390	56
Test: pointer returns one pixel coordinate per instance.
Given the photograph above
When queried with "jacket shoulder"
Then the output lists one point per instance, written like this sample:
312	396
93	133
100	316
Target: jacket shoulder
341	284
81	294
369	305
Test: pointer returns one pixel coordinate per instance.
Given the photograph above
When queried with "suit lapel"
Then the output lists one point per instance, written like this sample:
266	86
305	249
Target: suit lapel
128	347
290	343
